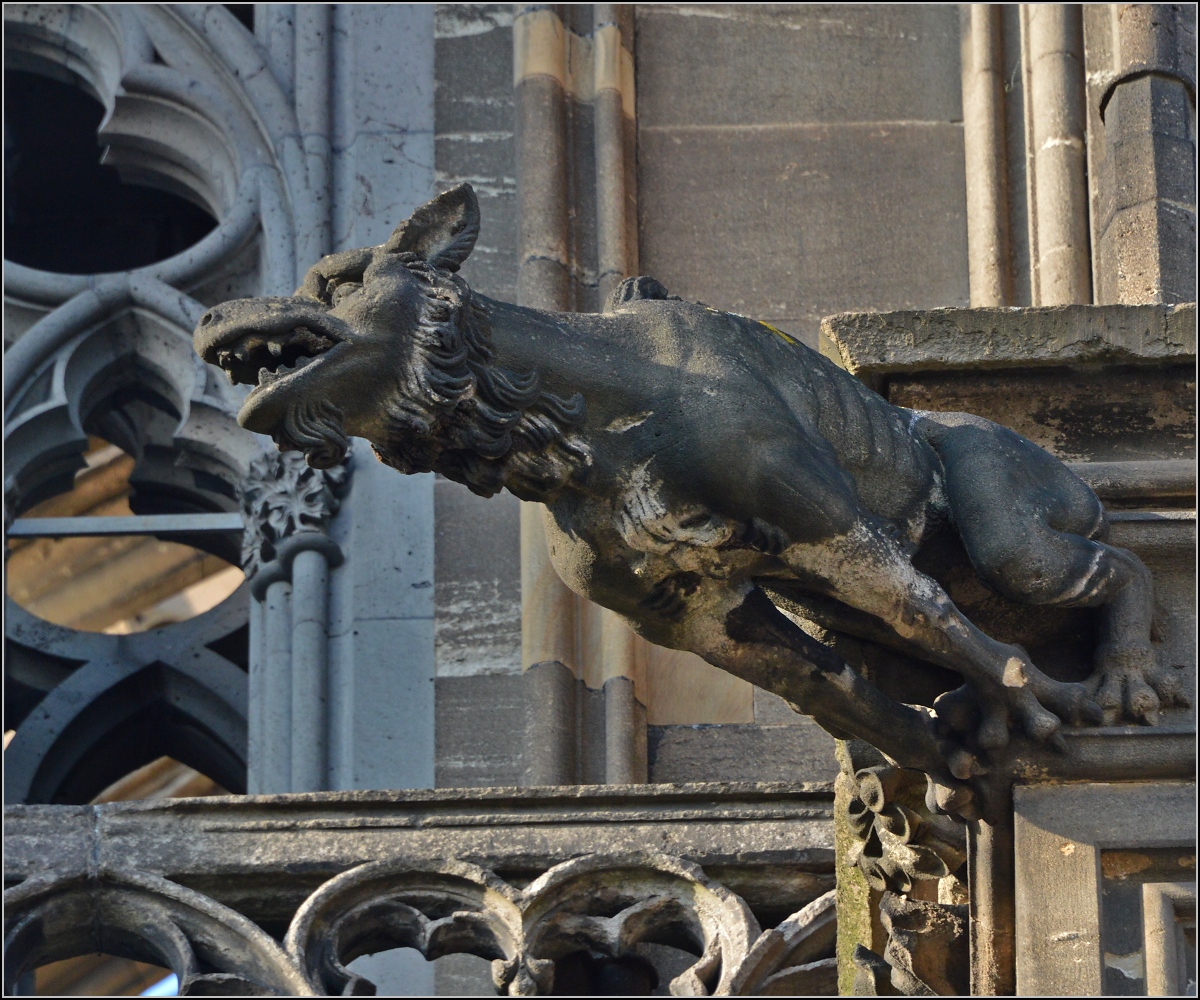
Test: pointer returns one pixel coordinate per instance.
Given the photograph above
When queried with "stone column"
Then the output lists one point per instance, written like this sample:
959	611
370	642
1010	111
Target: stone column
989	249
1141	62
621	653
287	557
548	608
562	77
616	146
313	96
270	764
1056	127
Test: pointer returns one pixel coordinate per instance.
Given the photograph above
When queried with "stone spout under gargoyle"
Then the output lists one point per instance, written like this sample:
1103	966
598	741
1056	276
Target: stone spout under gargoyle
721	487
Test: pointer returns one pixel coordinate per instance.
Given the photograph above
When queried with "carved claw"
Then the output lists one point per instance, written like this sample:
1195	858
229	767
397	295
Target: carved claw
1071	702
956	800
964	765
1130	685
1028	701
993	731
957	712
988	720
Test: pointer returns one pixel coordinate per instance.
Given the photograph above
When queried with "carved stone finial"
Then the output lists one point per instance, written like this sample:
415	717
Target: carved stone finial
283	496
898	839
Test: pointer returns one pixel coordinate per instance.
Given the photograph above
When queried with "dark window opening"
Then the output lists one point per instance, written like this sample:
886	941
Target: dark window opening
63	210
244	12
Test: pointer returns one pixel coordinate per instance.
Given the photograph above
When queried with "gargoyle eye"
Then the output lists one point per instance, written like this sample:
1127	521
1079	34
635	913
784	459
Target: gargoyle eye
340	291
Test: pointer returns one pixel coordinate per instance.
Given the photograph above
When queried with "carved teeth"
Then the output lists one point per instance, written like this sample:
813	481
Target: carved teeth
255	358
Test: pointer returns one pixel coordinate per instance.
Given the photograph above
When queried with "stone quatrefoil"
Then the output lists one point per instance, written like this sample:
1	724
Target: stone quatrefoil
605	906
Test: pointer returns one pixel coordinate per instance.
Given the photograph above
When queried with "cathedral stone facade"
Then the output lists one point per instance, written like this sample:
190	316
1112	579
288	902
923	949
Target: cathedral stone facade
970	207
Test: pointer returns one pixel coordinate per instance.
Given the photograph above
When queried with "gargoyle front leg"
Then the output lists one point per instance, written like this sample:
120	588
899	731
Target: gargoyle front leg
741	631
1034	533
865	569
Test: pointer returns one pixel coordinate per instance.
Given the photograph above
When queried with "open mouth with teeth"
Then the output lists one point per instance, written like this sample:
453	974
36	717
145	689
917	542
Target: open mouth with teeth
261	360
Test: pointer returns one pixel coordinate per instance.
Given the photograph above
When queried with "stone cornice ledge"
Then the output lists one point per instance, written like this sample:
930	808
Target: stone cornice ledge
877	345
233	846
1114	753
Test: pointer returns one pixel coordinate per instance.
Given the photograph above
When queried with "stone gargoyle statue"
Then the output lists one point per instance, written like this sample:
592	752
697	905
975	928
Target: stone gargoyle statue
715	483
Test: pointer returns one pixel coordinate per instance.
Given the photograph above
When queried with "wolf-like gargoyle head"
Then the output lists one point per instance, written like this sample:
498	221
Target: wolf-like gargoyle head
388	343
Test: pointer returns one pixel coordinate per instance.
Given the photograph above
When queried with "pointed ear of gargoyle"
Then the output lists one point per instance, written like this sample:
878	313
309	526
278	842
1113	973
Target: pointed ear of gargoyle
442	232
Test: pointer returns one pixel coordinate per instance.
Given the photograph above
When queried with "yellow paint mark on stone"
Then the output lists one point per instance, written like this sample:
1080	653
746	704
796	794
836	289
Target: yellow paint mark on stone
1014	673
778	332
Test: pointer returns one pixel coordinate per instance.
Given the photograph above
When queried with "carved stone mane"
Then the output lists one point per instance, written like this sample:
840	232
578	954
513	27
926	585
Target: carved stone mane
458	413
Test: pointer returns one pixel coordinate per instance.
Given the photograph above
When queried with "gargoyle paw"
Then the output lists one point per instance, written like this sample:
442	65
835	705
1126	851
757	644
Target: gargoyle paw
1131	685
1038	707
969	791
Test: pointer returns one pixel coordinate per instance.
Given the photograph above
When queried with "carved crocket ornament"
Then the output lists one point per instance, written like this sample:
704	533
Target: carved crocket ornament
715	483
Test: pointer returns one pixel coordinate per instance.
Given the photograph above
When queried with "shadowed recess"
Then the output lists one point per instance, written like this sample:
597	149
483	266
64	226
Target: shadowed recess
67	212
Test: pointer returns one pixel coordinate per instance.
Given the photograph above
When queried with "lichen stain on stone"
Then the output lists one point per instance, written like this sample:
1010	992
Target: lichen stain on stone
1067	849
1188	861
1029	772
1121	864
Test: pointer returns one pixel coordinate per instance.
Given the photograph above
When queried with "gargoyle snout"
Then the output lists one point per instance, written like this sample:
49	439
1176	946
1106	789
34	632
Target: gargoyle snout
234	319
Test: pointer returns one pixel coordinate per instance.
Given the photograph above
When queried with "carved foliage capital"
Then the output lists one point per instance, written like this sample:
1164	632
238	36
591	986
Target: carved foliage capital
282	497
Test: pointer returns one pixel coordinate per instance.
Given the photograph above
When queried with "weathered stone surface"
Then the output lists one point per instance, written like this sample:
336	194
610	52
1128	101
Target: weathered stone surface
900	839
772	63
782	564
590	925
860	933
1119	414
477	576
1111	388
383	126
473	109
214	951
1140	63
1060	833
479	730
879	346
777	227
263	854
742	753
927	946
800	183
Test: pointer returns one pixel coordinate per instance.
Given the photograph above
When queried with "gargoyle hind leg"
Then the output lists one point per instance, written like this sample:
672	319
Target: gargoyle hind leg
1034	532
865	569
742	632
